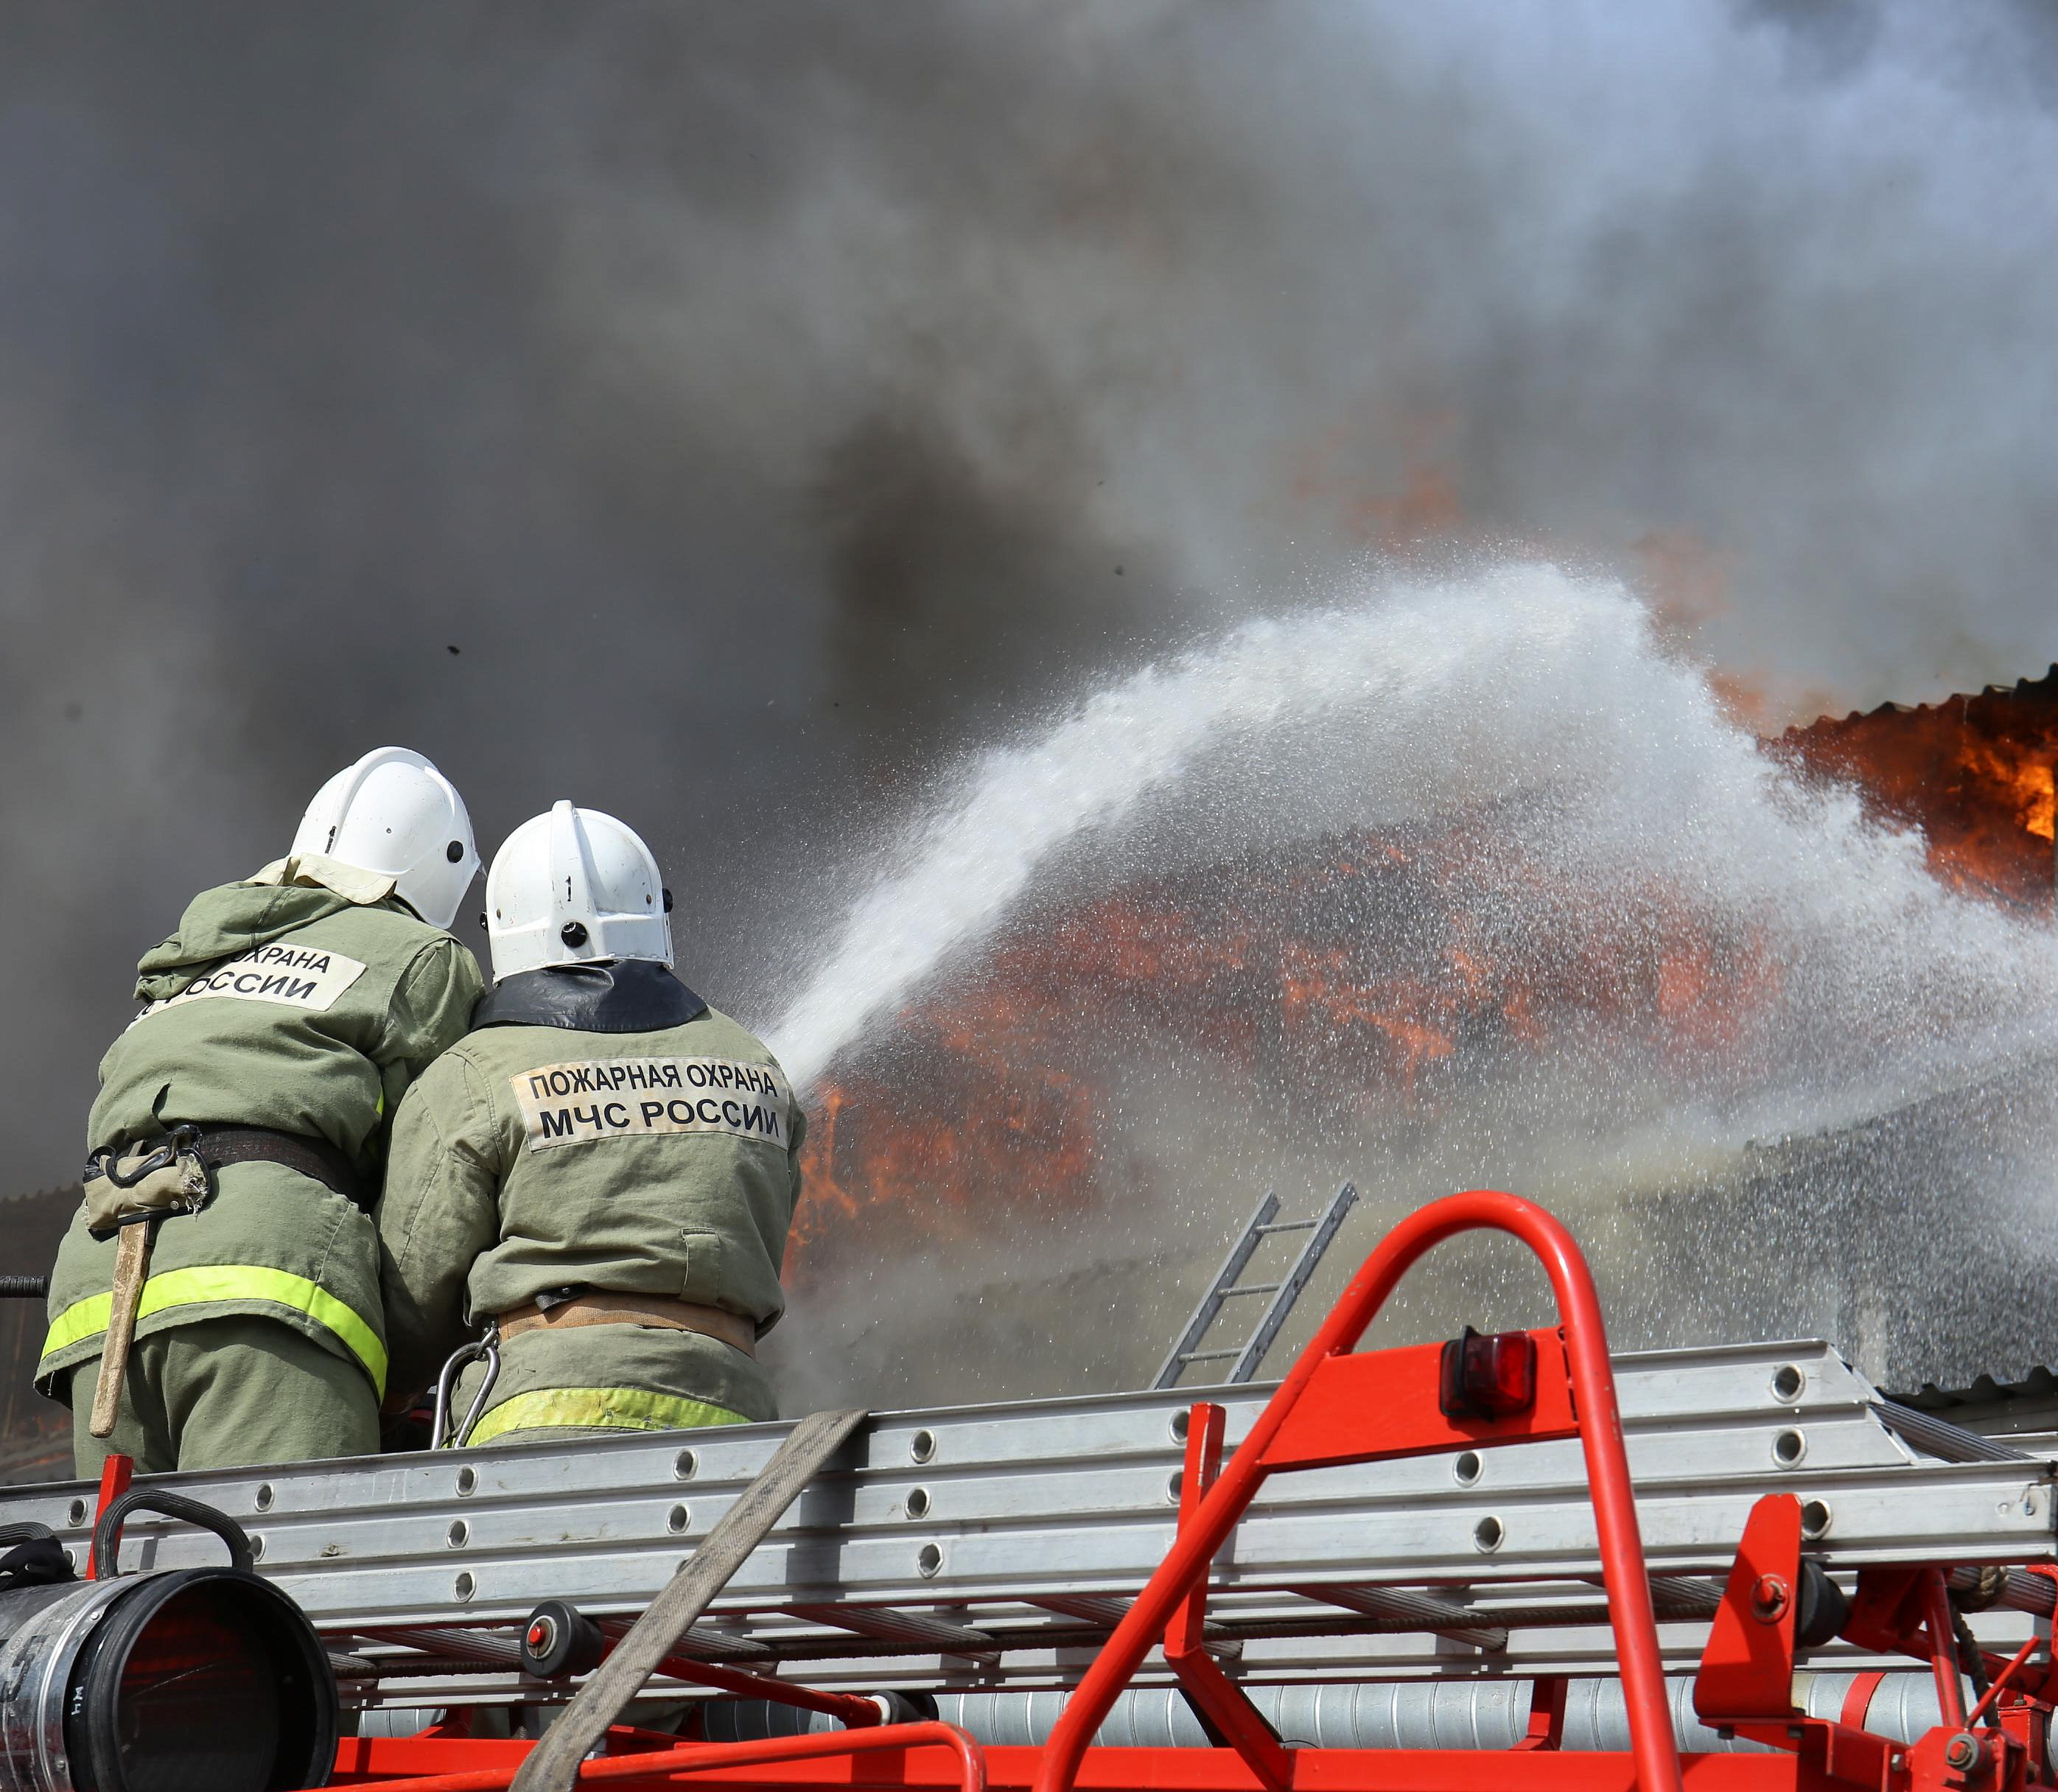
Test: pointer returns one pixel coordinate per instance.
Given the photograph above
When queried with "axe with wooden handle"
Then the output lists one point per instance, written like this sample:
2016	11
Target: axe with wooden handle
130	1194
132	1269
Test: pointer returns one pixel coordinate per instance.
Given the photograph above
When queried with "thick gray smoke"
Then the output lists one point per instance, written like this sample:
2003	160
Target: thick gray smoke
763	398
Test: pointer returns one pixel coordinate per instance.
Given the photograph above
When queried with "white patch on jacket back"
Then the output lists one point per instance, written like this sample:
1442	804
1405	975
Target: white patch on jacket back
298	976
580	1103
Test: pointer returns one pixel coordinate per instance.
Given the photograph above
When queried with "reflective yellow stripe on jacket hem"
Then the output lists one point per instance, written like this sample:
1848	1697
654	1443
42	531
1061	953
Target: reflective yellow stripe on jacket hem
614	1409
229	1281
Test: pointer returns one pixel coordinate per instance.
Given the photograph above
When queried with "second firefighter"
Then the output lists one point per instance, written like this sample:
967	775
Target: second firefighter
605	1170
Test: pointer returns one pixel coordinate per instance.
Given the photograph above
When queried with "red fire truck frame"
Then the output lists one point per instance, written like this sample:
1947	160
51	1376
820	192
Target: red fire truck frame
1337	1406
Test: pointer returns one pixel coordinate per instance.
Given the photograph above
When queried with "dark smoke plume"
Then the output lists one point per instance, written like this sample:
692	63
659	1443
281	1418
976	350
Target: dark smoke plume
763	398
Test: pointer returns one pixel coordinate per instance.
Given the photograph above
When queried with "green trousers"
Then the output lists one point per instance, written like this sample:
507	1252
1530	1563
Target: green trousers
227	1394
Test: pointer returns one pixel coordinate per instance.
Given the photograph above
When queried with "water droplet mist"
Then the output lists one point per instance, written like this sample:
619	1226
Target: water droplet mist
1853	1142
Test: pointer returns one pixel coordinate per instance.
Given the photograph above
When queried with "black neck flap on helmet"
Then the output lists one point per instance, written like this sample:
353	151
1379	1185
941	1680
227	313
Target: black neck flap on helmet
629	995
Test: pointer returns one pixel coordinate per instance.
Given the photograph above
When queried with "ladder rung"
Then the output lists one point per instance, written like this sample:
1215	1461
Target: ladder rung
1207	1356
1250	1288
1286	1226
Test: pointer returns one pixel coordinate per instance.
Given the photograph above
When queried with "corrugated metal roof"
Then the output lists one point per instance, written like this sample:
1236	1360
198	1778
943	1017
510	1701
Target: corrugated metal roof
2033	690
2024	1411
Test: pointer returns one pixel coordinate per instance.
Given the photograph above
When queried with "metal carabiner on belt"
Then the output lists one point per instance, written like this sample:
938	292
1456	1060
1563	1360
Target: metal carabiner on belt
483	1349
180	1140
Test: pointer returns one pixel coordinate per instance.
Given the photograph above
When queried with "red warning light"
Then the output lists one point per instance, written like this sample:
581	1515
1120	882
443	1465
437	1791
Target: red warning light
1488	1376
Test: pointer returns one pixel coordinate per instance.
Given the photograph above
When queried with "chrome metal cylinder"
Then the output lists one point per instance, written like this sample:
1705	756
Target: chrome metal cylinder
1485	1714
42	1629
198	1680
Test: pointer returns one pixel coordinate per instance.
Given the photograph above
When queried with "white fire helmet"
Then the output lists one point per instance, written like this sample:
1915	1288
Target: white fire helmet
394	814
574	886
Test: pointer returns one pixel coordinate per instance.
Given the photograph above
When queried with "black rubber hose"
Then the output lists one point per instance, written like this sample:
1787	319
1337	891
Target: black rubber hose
24	1288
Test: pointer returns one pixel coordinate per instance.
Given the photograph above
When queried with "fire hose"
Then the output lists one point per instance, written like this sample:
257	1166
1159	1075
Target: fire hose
206	1679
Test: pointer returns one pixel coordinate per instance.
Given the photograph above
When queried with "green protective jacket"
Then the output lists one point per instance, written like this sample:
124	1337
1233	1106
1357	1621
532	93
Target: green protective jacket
569	1144
284	1004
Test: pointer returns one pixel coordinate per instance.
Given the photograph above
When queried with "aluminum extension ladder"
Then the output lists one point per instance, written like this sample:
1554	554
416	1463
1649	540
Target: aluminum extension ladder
1285	1292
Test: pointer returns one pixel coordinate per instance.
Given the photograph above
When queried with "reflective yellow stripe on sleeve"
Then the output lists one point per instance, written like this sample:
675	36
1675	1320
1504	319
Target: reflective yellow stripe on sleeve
610	1409
229	1281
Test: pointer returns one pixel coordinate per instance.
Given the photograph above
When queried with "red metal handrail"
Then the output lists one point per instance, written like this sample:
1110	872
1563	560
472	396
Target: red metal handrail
1653	1746
692	1757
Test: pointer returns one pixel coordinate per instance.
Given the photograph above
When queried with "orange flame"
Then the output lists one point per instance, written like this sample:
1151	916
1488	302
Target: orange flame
1974	774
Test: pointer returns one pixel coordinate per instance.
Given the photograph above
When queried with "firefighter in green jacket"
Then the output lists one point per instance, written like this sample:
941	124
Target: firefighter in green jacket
600	1176
283	1023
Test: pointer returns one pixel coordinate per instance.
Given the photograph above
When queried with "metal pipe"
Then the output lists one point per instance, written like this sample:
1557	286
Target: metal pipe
1943	1648
1469	1714
971	1764
853	1710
